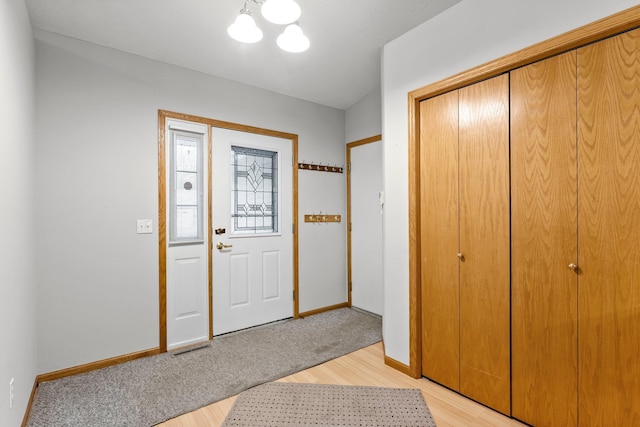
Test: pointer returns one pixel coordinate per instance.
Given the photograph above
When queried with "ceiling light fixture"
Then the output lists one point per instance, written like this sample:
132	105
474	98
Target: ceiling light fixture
244	29
293	39
280	12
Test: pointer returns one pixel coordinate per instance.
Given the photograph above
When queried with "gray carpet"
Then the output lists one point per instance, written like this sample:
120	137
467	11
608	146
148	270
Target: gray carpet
291	404
148	391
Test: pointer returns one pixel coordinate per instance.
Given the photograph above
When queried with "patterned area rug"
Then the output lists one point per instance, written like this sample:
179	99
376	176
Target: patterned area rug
293	404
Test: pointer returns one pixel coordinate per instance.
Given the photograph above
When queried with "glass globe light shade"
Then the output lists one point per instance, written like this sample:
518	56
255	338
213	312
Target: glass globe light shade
281	11
244	29
293	39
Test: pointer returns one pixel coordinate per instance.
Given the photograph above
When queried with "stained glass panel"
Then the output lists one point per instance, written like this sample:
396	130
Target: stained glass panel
255	190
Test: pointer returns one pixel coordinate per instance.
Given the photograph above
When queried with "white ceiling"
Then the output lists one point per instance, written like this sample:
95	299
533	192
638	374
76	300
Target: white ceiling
341	66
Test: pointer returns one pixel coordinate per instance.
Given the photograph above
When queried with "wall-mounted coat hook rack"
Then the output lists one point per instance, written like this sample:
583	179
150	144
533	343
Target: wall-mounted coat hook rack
322	218
320	167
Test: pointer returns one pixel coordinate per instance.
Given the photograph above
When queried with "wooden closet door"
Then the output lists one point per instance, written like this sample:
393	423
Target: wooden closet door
544	242
609	231
439	239
485	243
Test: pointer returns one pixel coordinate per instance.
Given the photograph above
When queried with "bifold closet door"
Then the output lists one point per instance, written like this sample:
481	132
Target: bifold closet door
439	239
464	202
609	231
544	242
485	358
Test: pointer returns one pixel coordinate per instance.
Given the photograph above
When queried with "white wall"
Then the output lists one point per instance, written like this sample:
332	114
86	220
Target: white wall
17	261
97	173
364	118
468	34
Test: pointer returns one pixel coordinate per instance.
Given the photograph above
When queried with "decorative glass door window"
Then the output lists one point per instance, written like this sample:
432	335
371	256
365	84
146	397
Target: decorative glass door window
186	195
254	192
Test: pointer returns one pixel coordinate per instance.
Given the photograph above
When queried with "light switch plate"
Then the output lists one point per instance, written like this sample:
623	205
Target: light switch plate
144	226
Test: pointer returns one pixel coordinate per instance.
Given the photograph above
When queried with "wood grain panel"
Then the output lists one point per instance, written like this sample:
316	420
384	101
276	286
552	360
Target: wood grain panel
609	231
162	233
439	239
210	229
485	243
323	309
100	364
296	244
415	297
544	241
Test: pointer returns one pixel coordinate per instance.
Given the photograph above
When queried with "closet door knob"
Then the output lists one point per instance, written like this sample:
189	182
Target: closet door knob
573	267
461	256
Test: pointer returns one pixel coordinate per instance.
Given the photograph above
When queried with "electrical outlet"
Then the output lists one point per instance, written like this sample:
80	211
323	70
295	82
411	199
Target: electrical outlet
144	226
11	394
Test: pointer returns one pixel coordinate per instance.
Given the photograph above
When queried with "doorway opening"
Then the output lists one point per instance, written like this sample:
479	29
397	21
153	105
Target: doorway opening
365	200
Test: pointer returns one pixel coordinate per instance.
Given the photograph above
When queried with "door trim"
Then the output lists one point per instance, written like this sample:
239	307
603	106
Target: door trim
350	146
590	33
163	115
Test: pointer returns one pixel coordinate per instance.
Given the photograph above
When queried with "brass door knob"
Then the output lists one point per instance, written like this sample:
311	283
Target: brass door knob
220	246
461	256
573	267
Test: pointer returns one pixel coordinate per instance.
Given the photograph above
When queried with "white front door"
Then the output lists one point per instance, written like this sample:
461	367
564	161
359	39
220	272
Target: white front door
252	178
187	243
366	226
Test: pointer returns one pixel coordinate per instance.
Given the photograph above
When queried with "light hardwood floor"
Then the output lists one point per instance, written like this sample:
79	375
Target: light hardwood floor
366	367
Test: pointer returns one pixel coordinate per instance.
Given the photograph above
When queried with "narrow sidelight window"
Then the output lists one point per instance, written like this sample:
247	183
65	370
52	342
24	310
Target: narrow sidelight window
186	197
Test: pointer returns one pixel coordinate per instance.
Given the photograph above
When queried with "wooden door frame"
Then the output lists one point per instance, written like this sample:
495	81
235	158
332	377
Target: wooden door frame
598	30
350	146
163	115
